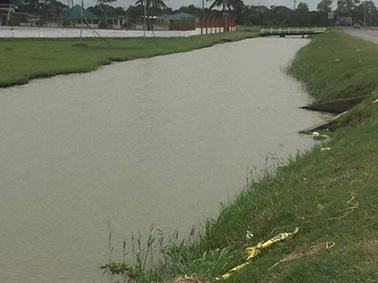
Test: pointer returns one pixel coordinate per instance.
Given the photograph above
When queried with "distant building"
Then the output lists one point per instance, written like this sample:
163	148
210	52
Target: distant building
182	21
115	22
8	16
24	19
6	9
72	17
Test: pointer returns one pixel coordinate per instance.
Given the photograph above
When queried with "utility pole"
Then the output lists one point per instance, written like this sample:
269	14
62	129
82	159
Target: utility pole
365	14
203	9
225	16
81	20
295	4
203	15
144	18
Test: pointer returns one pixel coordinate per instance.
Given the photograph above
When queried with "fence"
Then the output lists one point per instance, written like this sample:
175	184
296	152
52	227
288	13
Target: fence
200	26
36	32
216	25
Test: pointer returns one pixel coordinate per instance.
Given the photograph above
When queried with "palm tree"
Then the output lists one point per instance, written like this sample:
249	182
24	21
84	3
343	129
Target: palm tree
151	4
101	4
158	4
230	4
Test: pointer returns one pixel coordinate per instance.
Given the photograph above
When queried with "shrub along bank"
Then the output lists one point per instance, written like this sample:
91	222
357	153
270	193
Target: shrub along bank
25	59
330	193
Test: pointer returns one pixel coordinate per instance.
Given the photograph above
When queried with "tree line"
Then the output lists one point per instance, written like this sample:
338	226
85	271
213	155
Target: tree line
360	11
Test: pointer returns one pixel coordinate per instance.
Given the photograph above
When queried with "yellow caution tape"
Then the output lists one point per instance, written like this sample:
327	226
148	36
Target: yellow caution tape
254	251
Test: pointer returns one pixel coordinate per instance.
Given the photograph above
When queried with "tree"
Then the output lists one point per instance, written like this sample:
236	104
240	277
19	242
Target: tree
109	10
218	3
358	13
53	8
157	4
151	5
105	2
28	6
46	8
303	7
282	15
192	10
102	4
230	4
345	7
257	15
325	6
300	16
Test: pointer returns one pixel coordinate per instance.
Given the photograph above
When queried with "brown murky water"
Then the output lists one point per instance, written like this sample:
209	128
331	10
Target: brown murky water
161	140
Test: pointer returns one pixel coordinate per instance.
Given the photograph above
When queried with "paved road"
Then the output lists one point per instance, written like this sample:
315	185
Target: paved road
365	34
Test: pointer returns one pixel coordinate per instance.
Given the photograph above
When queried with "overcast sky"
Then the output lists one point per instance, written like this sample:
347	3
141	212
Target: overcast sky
175	4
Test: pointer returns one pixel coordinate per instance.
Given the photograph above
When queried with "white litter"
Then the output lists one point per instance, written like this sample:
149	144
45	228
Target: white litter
318	136
249	235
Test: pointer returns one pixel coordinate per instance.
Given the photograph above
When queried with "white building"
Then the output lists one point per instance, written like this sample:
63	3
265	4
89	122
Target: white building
6	9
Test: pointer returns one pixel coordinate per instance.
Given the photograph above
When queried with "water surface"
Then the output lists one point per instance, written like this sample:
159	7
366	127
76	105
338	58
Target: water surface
161	140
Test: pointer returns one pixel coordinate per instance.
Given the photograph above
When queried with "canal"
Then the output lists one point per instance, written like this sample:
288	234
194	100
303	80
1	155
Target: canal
161	140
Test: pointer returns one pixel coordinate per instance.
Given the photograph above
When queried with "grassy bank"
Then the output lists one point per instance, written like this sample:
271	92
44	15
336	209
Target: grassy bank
330	193
335	66
25	59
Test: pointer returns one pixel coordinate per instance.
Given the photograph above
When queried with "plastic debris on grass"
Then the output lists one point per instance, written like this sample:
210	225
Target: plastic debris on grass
318	136
252	252
249	235
351	208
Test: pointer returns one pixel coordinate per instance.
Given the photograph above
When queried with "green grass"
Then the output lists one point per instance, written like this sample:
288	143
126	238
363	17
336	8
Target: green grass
331	195
25	59
248	28
336	66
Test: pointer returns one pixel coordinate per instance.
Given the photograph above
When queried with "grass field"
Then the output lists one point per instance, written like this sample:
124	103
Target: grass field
330	193
335	66
25	59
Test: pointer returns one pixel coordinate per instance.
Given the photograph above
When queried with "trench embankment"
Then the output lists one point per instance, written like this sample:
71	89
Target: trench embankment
330	193
24	60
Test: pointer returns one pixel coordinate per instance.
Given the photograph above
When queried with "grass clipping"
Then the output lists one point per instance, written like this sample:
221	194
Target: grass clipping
302	252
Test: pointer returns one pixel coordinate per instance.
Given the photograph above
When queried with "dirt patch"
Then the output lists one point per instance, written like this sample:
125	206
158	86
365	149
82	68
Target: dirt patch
297	254
370	250
262	217
302	252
